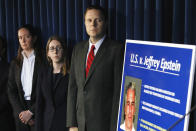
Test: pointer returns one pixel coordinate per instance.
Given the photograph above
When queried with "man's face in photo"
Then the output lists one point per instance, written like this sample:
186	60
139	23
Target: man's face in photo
130	108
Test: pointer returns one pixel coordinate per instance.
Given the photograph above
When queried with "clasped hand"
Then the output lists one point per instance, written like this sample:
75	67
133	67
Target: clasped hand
25	116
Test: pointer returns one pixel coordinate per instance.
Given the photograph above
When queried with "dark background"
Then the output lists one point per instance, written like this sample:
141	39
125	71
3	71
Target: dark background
151	20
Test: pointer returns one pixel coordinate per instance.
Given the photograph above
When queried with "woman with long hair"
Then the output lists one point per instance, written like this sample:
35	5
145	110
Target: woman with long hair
52	88
23	78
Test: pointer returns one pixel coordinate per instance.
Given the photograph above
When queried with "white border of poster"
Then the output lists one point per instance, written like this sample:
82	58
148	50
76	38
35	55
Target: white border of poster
134	67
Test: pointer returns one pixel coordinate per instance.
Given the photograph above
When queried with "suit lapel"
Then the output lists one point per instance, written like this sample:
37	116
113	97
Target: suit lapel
34	82
97	58
57	82
19	83
83	53
18	80
48	84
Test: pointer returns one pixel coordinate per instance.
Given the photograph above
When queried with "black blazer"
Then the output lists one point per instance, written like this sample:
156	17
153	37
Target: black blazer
93	101
6	116
15	89
51	102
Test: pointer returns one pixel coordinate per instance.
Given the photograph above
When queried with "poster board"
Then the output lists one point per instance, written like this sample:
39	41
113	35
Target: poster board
163	75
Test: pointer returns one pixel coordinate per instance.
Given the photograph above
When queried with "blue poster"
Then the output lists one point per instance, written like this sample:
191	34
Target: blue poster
157	86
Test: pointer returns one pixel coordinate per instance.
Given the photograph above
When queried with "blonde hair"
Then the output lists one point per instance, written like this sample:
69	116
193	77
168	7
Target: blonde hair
64	58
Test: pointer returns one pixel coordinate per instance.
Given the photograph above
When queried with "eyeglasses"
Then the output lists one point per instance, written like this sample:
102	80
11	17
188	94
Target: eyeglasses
52	49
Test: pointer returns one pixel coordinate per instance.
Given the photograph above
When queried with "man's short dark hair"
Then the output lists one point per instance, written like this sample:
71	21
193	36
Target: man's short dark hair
130	85
96	7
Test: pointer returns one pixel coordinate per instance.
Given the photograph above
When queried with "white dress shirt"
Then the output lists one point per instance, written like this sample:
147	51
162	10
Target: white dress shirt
27	74
97	45
122	126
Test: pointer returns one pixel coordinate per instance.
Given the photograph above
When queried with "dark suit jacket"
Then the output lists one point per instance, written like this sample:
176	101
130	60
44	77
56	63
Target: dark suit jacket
6	116
93	101
15	89
51	102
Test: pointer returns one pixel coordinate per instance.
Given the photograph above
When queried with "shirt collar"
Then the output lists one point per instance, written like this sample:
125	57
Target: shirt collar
31	55
97	44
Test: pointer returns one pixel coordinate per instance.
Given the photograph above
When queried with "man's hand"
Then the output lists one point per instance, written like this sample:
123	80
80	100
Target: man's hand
25	116
73	129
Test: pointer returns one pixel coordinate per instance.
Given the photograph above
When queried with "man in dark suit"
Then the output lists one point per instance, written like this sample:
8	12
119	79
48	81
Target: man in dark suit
95	78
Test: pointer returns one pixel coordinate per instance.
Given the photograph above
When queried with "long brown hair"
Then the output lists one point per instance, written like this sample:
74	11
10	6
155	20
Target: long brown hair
35	45
65	67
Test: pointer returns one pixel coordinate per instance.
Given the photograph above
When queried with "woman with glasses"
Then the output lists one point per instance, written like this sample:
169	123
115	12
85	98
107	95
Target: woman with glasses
23	78
52	88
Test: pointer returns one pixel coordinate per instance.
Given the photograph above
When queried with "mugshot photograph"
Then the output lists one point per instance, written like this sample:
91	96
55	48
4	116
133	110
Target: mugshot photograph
6	115
129	108
52	88
23	78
